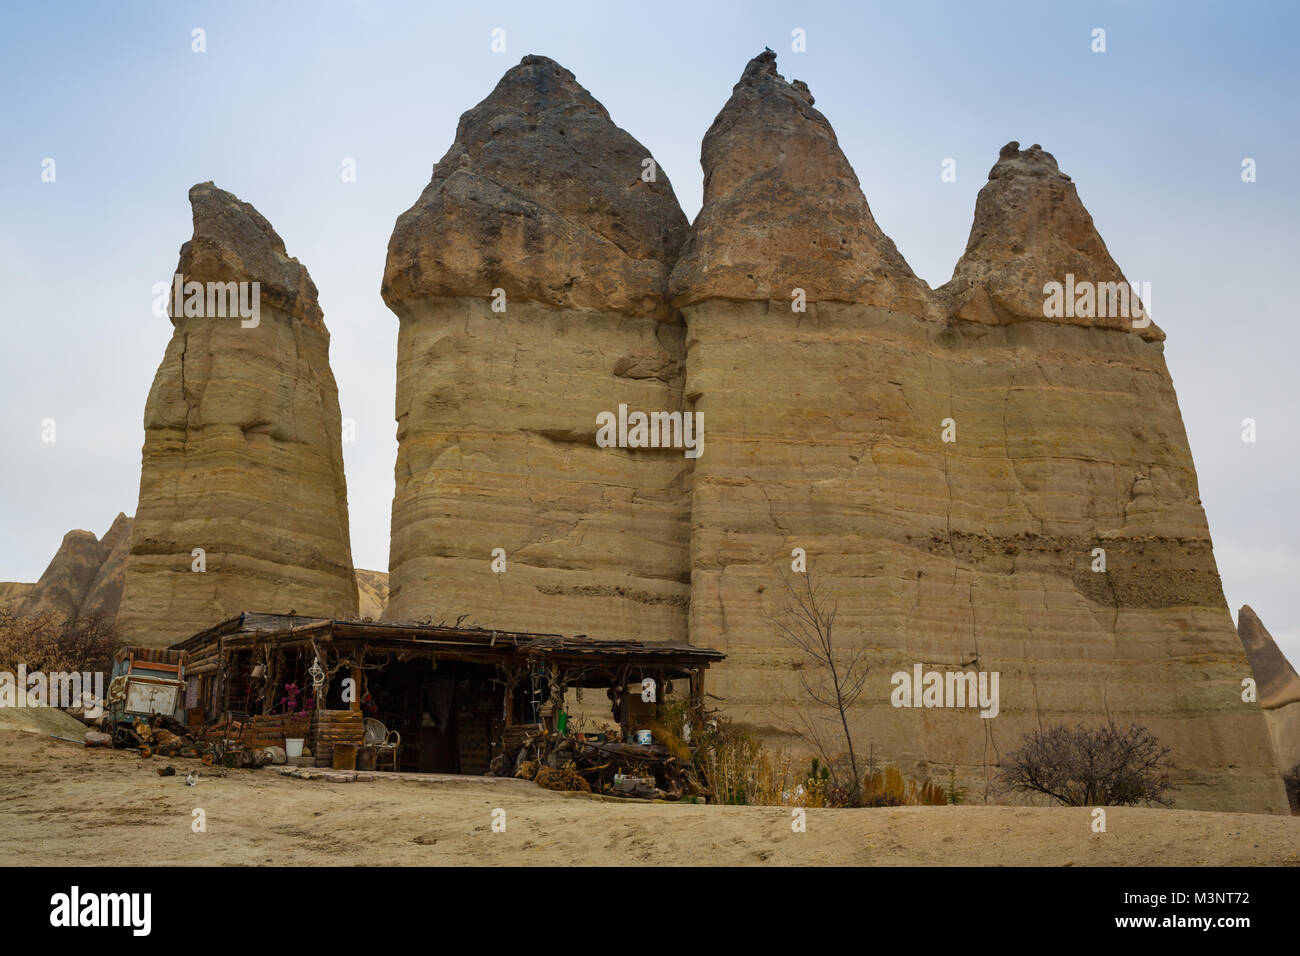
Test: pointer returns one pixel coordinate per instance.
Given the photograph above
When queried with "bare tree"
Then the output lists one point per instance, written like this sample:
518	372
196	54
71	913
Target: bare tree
836	677
1092	766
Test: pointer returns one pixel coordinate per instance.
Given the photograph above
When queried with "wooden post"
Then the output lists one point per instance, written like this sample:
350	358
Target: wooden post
697	695
356	688
268	679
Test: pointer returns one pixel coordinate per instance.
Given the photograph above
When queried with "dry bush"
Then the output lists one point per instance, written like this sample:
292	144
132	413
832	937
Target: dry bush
666	729
889	789
1091	766
742	771
44	642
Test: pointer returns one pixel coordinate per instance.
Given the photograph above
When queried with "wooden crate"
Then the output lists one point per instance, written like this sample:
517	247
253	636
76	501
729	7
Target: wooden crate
269	730
329	727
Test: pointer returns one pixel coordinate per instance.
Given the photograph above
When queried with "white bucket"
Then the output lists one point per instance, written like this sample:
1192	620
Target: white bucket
293	746
643	737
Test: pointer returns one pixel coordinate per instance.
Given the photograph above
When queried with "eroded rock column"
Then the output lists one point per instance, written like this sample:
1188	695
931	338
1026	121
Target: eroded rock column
243	501
530	282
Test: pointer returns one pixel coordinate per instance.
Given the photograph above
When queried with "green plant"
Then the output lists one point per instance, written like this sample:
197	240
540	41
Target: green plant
954	794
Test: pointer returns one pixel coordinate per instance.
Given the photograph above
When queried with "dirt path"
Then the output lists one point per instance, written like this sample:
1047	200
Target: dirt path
60	803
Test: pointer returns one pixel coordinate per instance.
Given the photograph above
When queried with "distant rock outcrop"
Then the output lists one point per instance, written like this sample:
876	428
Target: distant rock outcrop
243	502
84	578
372	593
1277	685
68	578
530	280
105	594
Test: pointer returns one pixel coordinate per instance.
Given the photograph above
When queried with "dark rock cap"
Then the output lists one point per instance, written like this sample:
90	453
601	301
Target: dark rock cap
543	196
233	242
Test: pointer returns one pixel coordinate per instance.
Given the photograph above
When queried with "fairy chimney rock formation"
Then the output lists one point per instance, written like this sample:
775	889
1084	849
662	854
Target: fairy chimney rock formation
83	579
530	281
1277	685
243	502
978	485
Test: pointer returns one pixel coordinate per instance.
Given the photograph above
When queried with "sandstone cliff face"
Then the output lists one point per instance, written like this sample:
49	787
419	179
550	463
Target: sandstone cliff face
826	433
242	455
1278	687
542	197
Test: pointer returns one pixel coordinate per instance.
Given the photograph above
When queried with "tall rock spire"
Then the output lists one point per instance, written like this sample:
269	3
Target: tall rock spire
243	502
530	280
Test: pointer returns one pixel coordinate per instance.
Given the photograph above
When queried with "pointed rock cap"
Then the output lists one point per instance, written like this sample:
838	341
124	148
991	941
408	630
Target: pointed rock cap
117	532
1276	679
783	209
543	196
1031	229
233	242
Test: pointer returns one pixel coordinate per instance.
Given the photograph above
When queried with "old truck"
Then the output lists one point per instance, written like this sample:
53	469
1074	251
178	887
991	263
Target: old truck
146	681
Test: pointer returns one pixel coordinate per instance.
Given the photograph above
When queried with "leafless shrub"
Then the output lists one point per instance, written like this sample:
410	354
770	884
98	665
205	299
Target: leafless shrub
1091	766
832	676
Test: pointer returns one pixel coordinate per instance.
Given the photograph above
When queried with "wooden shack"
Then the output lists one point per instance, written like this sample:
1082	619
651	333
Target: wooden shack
453	693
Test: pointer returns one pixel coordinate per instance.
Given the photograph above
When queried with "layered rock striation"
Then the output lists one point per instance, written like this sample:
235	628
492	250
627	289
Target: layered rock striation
955	463
243	501
530	280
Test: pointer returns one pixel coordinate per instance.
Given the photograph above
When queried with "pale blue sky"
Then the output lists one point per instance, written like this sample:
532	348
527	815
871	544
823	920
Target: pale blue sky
1153	131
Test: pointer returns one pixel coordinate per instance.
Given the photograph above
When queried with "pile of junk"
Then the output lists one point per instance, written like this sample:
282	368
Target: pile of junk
602	763
143	710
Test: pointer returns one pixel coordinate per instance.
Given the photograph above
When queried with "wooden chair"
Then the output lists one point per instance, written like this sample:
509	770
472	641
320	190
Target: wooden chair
385	743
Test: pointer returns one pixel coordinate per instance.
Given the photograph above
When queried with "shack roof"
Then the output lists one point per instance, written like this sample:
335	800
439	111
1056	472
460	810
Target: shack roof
251	628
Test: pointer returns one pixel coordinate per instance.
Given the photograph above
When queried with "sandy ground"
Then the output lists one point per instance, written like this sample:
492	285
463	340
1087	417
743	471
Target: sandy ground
61	803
